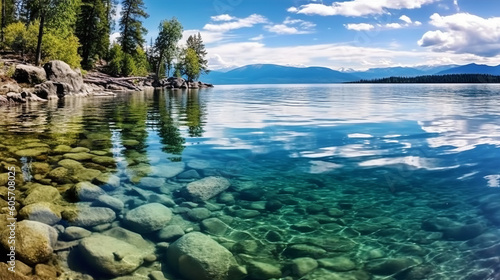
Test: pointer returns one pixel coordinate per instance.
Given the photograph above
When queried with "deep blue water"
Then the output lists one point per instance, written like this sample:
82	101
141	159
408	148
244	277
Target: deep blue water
390	157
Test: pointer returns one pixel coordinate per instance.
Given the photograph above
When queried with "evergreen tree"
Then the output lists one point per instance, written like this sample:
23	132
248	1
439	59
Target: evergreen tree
93	30
7	15
166	45
195	43
132	31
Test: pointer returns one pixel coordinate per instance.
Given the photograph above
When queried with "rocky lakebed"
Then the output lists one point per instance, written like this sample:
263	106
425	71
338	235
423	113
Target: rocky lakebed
86	214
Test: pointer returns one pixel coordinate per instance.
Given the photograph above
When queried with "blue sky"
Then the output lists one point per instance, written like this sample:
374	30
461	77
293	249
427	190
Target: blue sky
358	34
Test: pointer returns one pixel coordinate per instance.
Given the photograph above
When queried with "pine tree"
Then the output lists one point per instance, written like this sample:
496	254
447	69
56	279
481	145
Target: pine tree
93	28
132	31
196	43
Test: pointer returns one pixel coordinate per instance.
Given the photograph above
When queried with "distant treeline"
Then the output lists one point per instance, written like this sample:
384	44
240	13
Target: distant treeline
436	79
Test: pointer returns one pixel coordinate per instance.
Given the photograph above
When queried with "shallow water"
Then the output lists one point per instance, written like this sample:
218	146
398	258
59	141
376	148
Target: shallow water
400	180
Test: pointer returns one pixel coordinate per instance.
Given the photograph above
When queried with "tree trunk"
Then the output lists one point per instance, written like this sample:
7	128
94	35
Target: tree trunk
39	43
3	22
158	66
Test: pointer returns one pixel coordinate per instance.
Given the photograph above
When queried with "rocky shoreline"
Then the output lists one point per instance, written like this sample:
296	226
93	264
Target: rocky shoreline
56	80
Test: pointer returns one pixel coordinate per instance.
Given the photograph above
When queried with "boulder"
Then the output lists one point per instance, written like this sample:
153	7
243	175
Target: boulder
207	188
9	86
29	74
43	212
110	202
110	255
86	191
61	73
196	256
263	270
74	233
302	266
175	82
148	217
40	193
86	216
170	232
34	241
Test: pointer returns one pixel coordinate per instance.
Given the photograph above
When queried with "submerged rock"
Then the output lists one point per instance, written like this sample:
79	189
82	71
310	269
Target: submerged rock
207	188
110	255
43	212
263	270
86	216
196	256
148	217
34	241
390	266
302	266
86	191
40	193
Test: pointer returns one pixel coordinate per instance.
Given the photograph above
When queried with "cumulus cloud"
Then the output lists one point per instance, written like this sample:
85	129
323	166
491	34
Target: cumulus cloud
335	55
357	8
224	17
406	22
291	26
463	33
235	23
359	26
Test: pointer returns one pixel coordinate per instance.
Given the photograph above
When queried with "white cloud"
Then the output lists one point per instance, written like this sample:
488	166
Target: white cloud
292	26
359	26
336	55
358	7
236	23
257	38
463	33
405	19
224	17
394	25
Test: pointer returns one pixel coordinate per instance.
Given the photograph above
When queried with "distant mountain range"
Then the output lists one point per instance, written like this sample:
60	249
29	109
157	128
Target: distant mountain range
277	74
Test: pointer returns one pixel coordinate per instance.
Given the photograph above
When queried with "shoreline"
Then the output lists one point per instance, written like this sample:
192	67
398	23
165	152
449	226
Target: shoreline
55	80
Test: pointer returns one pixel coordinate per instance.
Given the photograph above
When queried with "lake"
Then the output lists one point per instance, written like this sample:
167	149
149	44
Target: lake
325	181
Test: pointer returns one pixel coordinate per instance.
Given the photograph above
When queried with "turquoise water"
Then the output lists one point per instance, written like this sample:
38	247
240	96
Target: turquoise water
365	181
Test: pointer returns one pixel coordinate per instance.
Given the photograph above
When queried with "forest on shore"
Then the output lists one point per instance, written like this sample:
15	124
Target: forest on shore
78	33
436	79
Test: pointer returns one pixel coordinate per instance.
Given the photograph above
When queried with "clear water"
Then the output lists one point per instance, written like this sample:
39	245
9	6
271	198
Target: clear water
388	158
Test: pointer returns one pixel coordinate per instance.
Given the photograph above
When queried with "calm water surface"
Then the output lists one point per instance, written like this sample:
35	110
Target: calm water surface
392	181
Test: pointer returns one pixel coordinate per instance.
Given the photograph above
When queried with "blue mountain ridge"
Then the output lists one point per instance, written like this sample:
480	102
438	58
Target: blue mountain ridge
277	74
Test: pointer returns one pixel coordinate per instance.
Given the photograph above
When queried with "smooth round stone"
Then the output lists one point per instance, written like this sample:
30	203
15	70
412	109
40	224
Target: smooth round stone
61	149
86	191
302	266
214	226
162	199
226	198
247	214
253	194
108	180
335	212
110	255
104	160
110	202
207	187
78	156
44	212
89	216
80	150
170	232
337	264
198	214
42	193
148	218
263	270
74	233
130	143
168	170
70	164
32	152
304	250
